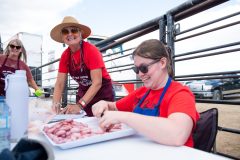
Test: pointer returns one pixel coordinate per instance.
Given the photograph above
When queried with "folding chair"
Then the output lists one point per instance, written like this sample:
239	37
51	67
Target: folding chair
205	133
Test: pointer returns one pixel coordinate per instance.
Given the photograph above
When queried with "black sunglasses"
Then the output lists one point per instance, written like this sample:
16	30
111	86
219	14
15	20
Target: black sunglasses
66	31
13	46
144	67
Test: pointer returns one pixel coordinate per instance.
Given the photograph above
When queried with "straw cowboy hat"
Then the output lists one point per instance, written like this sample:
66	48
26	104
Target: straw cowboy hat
69	21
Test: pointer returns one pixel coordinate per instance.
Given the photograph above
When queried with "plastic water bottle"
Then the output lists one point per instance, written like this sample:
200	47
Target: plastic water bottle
5	118
17	93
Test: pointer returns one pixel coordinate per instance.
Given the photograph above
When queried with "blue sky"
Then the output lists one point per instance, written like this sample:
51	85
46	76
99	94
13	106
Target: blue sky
104	17
108	17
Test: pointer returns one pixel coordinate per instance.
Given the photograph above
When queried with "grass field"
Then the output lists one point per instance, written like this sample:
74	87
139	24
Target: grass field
229	117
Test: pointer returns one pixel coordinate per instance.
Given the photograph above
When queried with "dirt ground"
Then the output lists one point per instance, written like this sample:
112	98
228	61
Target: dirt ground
228	117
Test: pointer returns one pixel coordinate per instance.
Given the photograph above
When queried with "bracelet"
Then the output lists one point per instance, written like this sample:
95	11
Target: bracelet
80	106
82	103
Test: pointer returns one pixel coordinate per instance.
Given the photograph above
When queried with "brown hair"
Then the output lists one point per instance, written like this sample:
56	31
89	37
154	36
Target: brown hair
154	49
23	53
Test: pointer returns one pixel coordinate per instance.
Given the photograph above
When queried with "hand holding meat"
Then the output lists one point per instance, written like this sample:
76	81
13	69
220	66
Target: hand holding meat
73	109
100	107
110	119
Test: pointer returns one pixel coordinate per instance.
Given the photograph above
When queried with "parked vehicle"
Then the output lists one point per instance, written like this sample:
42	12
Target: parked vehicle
215	89
231	87
185	83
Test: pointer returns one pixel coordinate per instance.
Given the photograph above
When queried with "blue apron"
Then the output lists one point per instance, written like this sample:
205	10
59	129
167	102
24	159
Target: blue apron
155	110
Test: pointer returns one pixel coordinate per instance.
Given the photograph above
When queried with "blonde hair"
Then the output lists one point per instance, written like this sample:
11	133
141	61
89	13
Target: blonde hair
22	55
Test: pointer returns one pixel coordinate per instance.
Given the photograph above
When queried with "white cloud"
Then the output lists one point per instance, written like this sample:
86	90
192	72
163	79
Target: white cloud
36	17
31	16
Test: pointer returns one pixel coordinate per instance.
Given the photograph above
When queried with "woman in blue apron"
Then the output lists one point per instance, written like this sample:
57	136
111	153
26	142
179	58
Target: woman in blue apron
84	63
163	109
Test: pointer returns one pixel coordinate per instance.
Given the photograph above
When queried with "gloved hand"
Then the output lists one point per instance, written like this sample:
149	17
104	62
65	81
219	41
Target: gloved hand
38	92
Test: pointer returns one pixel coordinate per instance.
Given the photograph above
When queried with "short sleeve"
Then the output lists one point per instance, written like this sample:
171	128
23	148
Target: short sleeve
183	102
63	63
93	56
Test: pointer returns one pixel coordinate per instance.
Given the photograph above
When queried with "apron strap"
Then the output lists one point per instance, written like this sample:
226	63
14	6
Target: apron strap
5	60
164	91
155	112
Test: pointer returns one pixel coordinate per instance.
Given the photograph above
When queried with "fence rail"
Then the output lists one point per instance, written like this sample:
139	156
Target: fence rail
168	30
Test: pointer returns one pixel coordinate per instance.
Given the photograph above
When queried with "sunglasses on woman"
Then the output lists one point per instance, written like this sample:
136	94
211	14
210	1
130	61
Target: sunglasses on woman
66	31
13	46
144	67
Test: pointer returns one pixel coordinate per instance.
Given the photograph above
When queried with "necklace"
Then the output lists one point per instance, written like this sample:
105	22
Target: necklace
74	63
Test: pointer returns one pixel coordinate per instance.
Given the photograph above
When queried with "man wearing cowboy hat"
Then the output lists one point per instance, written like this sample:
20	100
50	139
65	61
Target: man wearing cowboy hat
84	63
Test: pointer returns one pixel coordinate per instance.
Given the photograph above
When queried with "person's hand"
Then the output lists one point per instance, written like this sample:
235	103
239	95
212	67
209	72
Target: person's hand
56	107
73	109
38	92
99	108
110	118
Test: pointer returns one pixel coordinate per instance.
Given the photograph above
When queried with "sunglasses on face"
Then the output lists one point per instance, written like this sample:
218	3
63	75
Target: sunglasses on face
13	46
66	31
144	67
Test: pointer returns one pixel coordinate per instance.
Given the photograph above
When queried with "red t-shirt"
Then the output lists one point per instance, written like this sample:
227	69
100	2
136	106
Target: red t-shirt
178	98
92	58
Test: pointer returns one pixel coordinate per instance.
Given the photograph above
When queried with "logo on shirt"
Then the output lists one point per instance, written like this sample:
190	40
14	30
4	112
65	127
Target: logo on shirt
5	73
85	81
